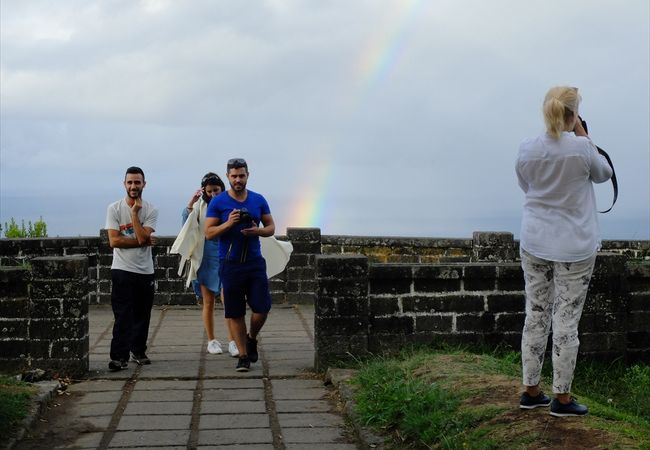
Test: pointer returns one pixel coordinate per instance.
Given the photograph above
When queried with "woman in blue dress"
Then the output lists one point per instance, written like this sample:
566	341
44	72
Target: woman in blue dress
207	284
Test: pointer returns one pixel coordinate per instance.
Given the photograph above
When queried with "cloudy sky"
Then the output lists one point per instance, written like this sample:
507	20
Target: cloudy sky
364	117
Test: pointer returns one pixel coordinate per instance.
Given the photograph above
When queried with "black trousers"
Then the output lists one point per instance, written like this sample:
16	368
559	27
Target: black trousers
131	299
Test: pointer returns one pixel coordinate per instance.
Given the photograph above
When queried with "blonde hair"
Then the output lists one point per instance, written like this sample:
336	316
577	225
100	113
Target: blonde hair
560	105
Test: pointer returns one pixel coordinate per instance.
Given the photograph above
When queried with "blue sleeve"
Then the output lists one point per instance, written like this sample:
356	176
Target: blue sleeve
213	210
264	206
184	215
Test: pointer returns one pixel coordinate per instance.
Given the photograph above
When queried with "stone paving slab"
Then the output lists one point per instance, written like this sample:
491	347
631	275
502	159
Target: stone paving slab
302	406
241	383
155	422
239	447
95	409
233	407
233	421
156	385
165	408
150	438
101	397
243	436
96	386
321	446
232	394
170	395
313	435
309	420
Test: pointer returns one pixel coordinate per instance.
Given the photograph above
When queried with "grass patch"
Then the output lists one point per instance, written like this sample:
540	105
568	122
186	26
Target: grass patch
14	402
452	399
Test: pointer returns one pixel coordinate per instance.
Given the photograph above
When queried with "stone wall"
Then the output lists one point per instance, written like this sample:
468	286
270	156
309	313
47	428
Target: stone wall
44	316
380	308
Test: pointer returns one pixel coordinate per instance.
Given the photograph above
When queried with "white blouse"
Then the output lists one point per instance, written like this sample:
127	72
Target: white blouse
560	220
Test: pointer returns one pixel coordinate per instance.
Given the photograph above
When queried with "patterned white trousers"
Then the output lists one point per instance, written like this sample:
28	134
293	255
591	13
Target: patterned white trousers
555	295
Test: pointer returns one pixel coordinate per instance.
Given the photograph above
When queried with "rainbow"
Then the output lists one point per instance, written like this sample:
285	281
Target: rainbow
377	59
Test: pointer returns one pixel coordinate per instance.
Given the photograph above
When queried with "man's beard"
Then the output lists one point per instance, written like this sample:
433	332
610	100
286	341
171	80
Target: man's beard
134	194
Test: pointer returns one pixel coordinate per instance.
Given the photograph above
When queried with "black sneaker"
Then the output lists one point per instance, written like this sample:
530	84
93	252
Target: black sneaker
570	409
251	348
117	364
243	365
140	358
528	402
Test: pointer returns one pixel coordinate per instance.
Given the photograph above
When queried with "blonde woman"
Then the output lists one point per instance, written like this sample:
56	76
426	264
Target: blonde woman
559	240
203	255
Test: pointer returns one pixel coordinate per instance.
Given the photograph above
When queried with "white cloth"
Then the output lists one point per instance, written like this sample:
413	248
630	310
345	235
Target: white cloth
276	254
190	240
560	220
118	217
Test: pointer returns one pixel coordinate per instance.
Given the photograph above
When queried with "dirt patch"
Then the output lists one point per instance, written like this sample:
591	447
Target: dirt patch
511	427
56	428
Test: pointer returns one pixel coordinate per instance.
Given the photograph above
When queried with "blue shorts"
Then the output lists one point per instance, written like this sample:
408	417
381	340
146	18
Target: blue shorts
244	283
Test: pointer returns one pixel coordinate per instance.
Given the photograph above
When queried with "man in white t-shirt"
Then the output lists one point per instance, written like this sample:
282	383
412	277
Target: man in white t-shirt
131	222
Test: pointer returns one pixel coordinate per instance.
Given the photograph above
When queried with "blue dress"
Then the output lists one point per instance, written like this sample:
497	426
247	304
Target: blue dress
208	273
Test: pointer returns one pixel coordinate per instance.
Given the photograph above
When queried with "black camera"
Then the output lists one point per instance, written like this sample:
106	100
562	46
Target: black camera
245	218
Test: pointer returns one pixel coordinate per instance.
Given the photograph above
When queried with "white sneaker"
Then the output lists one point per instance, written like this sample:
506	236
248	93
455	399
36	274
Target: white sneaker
232	349
214	347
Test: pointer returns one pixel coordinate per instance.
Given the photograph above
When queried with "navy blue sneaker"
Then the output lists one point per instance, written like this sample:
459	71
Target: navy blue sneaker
251	348
117	364
570	409
528	402
140	358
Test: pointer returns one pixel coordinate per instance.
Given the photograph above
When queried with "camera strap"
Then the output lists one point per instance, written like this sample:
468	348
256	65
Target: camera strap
614	181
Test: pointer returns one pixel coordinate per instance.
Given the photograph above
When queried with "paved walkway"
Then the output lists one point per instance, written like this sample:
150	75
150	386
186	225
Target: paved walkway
188	398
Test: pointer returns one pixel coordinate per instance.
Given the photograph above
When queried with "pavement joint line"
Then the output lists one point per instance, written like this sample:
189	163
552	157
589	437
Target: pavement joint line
193	439
274	421
303	321
127	390
101	336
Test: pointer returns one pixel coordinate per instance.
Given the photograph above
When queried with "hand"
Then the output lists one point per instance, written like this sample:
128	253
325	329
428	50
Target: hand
233	217
137	205
579	130
153	240
252	231
197	195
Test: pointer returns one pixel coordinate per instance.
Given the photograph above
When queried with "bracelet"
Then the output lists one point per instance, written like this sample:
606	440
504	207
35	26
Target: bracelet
190	208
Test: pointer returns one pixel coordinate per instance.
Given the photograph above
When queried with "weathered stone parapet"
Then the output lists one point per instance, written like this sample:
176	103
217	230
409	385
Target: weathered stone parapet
301	284
341	319
496	246
471	303
45	316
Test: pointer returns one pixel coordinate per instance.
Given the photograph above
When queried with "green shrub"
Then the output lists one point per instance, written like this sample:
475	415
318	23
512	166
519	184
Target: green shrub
12	230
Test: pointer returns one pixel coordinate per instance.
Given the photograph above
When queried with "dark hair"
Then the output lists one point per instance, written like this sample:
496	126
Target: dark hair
212	179
134	169
236	163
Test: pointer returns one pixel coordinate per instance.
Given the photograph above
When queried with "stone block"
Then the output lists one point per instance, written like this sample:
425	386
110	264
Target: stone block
306	248
70	348
15	348
167	261
304	273
493	246
479	277
340	325
510	322
168	285
14	308
506	302
434	322
47	289
301	298
66	267
638	301
607	322
46	308
638	339
39	348
325	307
14	328
480	323
299	260
352	306
638	321
73	368
445	303
300	234
604	302
393	325
58	328
510	278
14	282
353	287
341	266
383	306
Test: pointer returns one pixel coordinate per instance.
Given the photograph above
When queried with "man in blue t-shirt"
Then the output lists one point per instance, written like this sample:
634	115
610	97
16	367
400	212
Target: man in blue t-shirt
235	217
